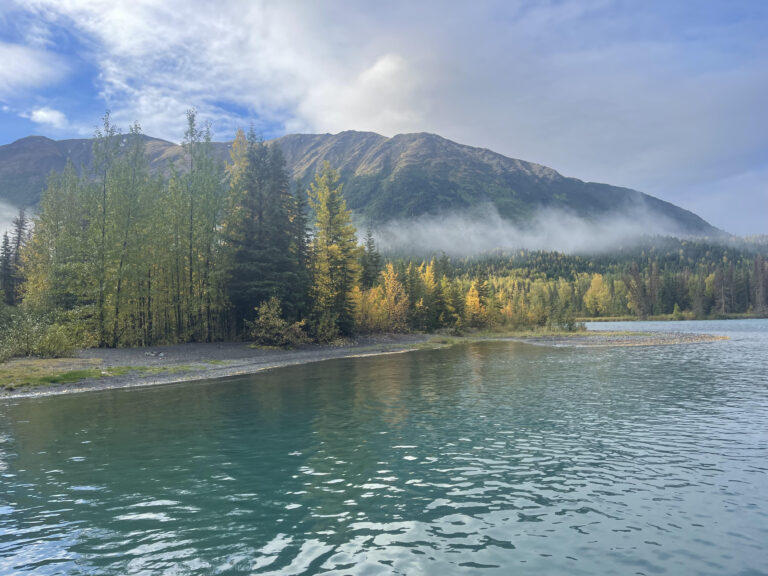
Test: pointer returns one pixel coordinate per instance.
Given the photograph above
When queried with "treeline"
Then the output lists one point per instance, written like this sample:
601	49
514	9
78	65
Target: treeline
697	278
210	251
438	294
122	257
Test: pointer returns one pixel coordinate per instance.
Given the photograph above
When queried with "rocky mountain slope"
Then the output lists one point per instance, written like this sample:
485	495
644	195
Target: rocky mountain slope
406	176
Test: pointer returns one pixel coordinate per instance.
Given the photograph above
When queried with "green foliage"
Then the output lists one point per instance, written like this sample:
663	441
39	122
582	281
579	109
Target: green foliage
27	333
268	328
325	328
334	257
264	232
118	257
127	259
55	343
370	261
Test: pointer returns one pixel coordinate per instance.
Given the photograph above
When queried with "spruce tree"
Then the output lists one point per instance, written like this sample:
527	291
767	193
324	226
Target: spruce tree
20	224
6	280
370	261
259	230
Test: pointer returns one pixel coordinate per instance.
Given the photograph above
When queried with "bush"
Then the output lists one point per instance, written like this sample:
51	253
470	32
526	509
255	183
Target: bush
55	343
325	329
269	328
26	333
23	333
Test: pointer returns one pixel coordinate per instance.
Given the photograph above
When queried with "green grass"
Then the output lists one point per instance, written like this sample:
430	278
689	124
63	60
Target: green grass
25	372
29	372
123	370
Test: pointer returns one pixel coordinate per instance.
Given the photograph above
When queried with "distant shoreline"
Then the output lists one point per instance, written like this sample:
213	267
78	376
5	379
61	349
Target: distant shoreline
120	368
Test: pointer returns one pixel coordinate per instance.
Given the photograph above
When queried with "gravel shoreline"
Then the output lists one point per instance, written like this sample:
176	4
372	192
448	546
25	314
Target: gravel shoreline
193	362
190	362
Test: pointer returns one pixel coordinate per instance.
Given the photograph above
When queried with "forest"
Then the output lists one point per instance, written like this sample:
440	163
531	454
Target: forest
213	251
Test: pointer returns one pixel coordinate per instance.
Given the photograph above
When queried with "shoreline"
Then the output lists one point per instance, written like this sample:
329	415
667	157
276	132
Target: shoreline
122	368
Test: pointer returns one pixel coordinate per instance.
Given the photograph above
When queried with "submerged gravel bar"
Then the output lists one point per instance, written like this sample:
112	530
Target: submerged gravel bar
192	362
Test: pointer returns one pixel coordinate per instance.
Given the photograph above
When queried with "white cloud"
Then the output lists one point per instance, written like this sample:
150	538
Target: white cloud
288	63
632	94
47	117
386	98
24	68
483	230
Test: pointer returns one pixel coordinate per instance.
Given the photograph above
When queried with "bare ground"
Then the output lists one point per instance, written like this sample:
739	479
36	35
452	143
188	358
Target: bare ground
133	367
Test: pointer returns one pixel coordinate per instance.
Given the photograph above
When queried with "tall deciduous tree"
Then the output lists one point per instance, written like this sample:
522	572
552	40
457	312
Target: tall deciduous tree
106	146
334	256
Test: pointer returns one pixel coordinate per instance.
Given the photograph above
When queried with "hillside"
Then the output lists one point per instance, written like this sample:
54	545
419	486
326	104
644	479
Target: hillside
406	176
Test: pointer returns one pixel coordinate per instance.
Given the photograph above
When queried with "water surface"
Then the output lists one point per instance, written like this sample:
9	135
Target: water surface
493	458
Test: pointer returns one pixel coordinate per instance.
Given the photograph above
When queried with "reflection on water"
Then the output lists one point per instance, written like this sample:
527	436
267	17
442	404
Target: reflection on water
495	457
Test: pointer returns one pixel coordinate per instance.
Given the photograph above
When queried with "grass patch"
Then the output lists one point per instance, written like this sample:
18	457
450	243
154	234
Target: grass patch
69	377
24	372
28	372
123	370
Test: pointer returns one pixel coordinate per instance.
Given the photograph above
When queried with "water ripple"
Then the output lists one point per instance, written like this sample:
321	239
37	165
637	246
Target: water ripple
492	458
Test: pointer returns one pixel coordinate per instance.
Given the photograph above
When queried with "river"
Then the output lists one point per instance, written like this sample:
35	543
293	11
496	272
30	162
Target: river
495	457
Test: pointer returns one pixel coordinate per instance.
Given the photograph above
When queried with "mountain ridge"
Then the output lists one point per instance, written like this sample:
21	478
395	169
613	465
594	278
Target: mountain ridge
385	178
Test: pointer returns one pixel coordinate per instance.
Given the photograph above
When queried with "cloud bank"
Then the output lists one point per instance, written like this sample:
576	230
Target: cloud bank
550	230
7	214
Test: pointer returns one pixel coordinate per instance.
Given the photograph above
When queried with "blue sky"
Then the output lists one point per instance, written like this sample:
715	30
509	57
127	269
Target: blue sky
665	97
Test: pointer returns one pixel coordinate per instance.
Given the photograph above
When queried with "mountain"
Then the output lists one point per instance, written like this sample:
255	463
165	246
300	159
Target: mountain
385	179
26	163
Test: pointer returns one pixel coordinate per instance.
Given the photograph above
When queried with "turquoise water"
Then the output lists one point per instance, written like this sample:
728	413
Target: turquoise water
496	458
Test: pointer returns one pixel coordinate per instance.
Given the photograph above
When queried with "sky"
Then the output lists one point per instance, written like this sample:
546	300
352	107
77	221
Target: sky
666	97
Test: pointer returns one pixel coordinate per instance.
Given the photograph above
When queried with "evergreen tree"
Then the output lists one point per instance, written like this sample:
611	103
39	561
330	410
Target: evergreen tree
370	261
6	279
20	224
265	249
760	284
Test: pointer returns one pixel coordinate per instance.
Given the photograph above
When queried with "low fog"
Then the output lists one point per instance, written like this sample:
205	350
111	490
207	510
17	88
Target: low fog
7	214
485	230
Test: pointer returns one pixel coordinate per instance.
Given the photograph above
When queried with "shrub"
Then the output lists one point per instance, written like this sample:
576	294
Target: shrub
55	343
270	329
26	333
325	328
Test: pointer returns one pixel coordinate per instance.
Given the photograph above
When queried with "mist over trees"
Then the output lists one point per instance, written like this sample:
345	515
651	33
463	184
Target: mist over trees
220	251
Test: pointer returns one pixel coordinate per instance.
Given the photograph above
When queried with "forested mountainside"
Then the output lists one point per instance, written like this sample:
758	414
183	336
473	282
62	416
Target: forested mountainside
123	256
384	179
